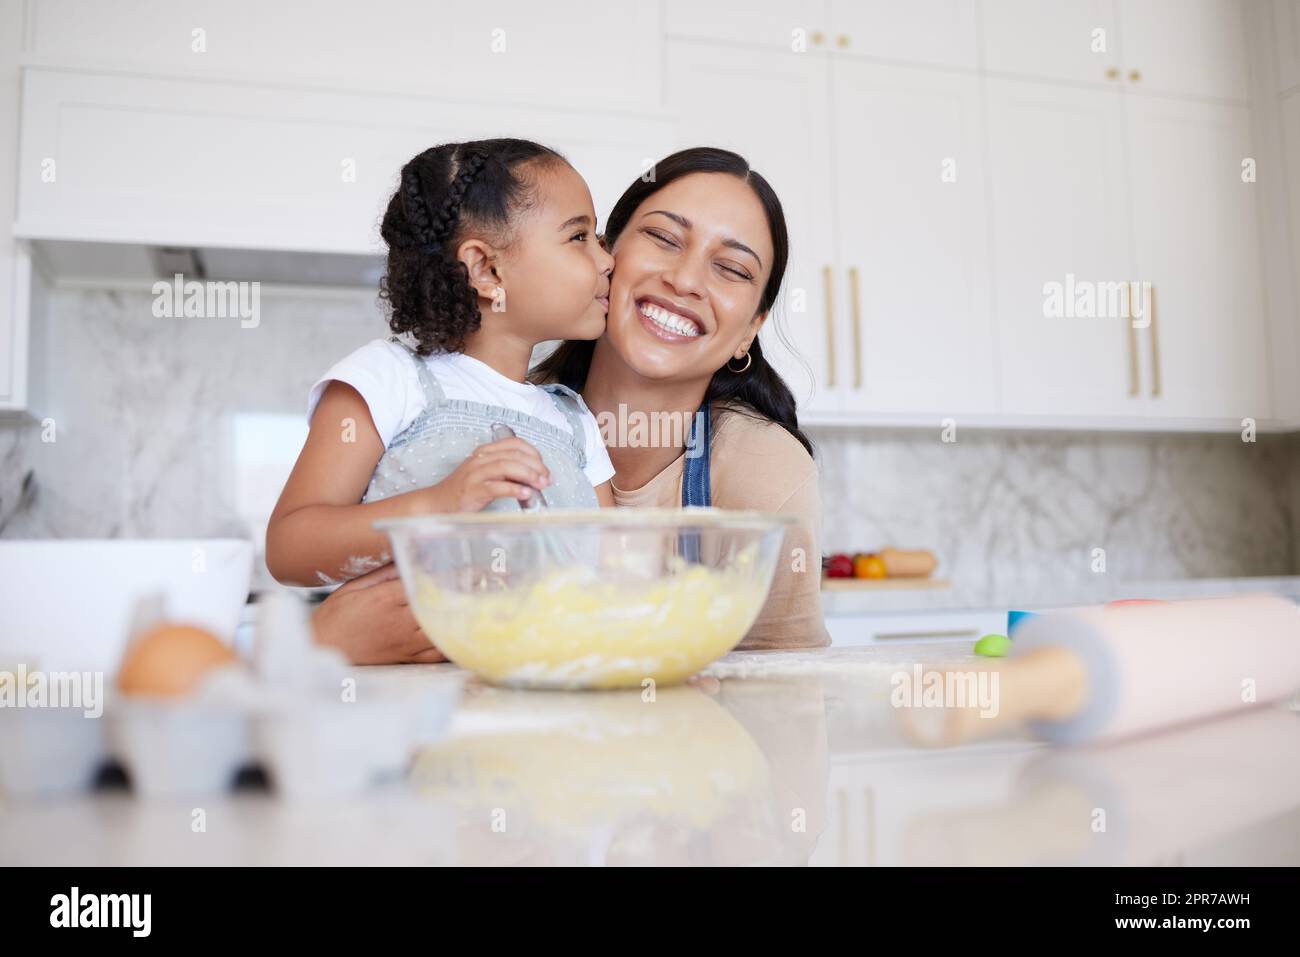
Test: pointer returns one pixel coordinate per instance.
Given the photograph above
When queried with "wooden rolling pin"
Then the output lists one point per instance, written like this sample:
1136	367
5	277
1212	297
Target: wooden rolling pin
1097	673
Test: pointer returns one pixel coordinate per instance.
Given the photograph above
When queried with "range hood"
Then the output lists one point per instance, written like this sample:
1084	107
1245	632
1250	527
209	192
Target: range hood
76	261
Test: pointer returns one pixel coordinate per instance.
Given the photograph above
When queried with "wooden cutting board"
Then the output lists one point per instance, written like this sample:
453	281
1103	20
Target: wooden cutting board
882	584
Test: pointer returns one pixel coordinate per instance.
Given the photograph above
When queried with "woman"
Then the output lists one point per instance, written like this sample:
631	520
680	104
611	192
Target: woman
699	254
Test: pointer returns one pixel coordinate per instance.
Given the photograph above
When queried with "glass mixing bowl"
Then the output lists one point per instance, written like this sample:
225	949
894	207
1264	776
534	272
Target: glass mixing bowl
602	598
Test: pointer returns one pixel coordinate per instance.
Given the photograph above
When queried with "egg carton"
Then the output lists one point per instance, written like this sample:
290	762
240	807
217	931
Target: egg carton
314	726
308	744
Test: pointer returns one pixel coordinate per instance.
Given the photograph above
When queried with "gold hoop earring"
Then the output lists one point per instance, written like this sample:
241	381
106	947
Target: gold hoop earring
748	360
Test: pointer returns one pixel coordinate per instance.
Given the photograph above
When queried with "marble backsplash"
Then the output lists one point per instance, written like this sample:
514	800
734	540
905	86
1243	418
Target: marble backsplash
149	412
1024	514
186	427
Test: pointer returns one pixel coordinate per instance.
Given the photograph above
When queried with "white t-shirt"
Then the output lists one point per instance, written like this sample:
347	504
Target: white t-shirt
383	373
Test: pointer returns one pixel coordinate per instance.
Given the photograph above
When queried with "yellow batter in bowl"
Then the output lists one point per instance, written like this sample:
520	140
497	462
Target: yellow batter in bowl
628	612
571	630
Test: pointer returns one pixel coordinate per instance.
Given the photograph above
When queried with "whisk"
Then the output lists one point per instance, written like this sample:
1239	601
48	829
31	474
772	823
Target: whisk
557	548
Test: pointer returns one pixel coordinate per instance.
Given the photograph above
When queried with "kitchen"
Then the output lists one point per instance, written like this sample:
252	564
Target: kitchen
941	165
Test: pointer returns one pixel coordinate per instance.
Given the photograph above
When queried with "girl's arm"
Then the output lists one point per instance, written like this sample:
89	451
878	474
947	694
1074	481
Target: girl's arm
320	532
605	494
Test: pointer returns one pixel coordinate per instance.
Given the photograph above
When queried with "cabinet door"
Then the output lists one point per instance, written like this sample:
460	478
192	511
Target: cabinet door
937	32
770	23
1060	215
871	628
13	355
1286	39
1054	39
165	161
772	109
913	229
1186	46
507	50
13	352
1284	331
1196	230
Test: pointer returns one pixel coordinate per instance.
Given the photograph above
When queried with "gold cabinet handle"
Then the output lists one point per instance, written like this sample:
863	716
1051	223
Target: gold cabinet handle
818	37
1133	384
830	327
1155	347
1112	73
857	327
842	40
1134	75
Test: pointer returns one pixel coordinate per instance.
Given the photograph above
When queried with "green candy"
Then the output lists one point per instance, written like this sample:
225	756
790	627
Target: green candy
993	646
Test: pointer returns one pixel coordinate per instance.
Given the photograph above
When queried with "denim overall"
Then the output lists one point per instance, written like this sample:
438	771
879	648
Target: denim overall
696	486
447	431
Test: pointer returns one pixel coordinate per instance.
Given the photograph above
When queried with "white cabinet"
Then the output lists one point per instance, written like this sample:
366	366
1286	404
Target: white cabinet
9	350
934	286
1286	42
508	51
126	159
869	628
1290	109
1197	242
929	32
932	32
895	317
935	211
1093	191
1060	39
15	263
1060	216
771	23
1195	47
913	241
15	286
792	92
1192	47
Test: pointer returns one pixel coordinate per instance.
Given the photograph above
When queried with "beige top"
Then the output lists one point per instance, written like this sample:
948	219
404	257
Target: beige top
756	464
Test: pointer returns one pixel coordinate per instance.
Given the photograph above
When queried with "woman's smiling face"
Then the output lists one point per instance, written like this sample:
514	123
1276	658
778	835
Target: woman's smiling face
689	272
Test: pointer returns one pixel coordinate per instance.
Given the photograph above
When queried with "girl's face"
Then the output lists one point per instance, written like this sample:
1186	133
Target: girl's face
554	273
692	263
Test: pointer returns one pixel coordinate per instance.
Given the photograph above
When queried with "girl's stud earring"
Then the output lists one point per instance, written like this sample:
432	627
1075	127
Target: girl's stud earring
748	360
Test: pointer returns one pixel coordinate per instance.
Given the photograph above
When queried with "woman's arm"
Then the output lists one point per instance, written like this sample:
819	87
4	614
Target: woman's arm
369	620
320	532
605	494
757	465
792	615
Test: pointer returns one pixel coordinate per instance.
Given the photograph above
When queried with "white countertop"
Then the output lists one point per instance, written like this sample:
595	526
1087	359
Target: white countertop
781	758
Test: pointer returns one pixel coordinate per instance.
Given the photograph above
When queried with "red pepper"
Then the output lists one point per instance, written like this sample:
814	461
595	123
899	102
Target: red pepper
839	566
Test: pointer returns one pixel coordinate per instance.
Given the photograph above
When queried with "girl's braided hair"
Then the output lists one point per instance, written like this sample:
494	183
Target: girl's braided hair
445	192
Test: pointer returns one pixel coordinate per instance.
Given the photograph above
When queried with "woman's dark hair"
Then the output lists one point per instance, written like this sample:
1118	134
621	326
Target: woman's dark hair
759	390
445	192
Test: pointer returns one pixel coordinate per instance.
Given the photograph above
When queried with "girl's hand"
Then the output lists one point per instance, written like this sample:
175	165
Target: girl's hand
508	468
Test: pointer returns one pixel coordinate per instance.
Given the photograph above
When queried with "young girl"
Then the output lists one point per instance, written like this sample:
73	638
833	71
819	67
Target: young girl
492	248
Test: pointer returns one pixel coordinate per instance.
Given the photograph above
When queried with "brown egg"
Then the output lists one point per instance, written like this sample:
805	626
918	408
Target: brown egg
171	659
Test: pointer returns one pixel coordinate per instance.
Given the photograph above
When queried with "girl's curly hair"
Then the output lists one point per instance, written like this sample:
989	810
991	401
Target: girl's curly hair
444	193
